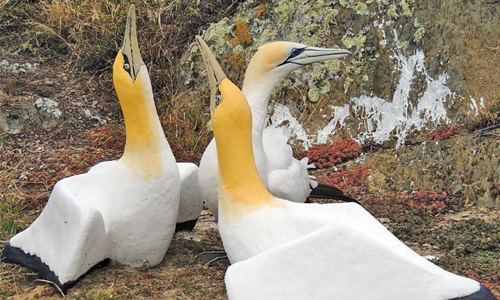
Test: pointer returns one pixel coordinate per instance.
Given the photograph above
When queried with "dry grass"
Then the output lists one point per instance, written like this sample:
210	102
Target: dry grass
84	35
76	42
91	31
487	115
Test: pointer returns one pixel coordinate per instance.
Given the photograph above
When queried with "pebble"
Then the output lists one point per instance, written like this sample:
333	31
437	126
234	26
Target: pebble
16	68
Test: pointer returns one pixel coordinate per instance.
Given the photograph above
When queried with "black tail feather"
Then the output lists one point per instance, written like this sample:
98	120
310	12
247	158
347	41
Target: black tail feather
15	255
323	191
186	225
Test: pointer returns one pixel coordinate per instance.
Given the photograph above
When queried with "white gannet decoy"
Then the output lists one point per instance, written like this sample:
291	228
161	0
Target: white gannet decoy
124	210
286	250
285	176
191	199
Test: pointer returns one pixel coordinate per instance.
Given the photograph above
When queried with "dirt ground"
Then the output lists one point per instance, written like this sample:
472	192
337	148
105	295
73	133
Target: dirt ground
90	130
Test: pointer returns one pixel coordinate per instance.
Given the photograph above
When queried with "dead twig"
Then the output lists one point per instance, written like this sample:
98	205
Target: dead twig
483	132
52	283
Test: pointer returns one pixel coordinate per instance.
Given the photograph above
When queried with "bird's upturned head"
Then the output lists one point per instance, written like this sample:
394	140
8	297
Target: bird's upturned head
128	62
234	112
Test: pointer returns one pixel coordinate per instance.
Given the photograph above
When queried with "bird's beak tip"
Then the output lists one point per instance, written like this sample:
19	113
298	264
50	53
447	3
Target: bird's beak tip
130	47
211	64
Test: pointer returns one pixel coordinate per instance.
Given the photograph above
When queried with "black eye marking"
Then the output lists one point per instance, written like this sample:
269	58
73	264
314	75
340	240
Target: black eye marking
296	52
218	99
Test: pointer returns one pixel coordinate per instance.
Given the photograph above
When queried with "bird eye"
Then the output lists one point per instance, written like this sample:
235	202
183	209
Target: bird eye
218	99
295	52
126	67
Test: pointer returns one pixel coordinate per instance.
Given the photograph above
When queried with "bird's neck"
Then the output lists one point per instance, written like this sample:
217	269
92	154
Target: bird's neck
145	140
257	89
239	181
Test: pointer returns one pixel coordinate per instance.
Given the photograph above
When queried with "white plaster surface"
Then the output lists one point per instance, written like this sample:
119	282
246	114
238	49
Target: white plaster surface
125	210
208	178
338	262
288	177
333	251
191	199
109	212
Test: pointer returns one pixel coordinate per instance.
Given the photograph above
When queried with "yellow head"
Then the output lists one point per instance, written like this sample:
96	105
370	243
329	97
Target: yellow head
133	87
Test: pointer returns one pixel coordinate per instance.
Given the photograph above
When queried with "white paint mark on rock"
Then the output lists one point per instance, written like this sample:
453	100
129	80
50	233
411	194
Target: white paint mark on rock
380	119
340	113
282	113
384	119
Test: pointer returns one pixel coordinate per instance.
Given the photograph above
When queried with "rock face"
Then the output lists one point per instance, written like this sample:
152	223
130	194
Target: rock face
465	166
416	65
42	112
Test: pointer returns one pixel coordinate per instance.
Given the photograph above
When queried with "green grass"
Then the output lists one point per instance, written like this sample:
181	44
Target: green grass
11	217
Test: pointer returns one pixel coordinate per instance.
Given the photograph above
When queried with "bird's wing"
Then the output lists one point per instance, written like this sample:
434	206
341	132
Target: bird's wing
337	262
287	177
279	153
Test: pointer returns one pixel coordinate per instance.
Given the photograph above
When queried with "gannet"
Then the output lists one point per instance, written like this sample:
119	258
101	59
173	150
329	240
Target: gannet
286	250
191	199
285	176
123	210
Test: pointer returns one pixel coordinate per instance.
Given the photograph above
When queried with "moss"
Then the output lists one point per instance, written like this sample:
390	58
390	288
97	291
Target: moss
194	48
326	69
361	8
216	32
347	84
419	34
318	72
238	50
349	42
296	30
313	34
326	87
313	94
268	34
284	11
344	3
332	65
330	14
402	44
416	23
405	8
392	12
